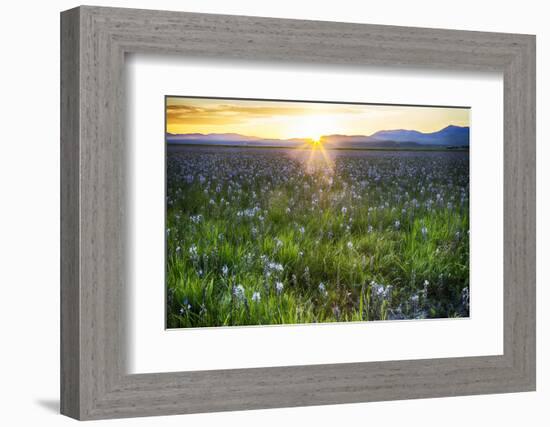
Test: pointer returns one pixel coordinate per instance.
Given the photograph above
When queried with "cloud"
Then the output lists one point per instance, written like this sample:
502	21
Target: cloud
208	111
226	113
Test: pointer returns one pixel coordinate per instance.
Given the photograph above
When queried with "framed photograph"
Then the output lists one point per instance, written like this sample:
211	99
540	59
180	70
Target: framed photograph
262	213
285	212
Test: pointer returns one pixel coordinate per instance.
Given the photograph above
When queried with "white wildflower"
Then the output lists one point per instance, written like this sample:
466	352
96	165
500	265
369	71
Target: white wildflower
238	291
195	219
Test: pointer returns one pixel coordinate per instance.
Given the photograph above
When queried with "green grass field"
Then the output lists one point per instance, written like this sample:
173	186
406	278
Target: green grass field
261	237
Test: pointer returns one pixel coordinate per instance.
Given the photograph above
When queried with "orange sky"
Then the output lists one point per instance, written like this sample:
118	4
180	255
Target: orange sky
283	120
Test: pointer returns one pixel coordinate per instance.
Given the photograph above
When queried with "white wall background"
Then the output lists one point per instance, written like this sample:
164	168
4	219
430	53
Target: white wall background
29	214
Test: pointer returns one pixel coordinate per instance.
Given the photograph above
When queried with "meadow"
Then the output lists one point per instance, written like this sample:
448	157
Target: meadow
263	236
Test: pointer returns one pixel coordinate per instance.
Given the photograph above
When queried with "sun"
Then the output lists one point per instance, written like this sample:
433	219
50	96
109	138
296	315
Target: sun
313	130
311	127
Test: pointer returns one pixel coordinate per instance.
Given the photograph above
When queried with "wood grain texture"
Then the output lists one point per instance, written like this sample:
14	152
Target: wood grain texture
94	270
70	260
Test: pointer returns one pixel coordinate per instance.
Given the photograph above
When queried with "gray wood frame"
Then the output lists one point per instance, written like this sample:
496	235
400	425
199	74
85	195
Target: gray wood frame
94	41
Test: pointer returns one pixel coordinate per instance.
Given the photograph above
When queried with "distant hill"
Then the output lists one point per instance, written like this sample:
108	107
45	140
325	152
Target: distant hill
230	139
450	136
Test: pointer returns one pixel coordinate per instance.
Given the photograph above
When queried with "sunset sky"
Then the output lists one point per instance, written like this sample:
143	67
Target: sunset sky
284	120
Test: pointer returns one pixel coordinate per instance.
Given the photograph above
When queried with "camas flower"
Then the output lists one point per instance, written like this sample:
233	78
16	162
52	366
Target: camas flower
185	306
238	291
380	291
275	266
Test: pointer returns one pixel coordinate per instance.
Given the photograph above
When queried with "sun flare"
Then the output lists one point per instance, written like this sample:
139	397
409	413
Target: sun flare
312	127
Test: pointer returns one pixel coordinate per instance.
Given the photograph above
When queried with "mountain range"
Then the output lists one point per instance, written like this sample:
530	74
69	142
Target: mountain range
450	136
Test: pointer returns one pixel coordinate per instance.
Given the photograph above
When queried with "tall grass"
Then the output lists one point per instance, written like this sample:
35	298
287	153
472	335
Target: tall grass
264	237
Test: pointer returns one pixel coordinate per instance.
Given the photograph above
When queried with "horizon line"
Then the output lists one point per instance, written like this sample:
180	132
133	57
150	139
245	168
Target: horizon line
322	136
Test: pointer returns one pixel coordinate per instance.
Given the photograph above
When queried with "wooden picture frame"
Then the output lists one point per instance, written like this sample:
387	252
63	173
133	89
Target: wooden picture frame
94	41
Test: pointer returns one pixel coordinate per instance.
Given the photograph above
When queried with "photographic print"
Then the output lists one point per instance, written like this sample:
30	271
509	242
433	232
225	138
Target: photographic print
300	212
